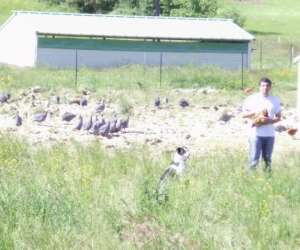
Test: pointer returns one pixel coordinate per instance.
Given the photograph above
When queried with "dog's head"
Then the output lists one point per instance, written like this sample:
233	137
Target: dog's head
181	154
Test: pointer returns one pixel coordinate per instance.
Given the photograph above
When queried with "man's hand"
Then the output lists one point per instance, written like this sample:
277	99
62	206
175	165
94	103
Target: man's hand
262	120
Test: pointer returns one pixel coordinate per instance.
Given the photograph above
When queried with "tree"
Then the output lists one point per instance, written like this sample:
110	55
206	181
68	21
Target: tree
93	6
196	8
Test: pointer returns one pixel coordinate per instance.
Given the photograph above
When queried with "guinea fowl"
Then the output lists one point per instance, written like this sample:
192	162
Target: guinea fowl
104	130
68	116
18	120
100	107
88	124
157	102
183	103
78	126
83	101
124	123
40	117
4	97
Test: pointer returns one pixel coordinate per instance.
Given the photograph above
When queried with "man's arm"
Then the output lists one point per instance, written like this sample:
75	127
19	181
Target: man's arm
277	118
248	114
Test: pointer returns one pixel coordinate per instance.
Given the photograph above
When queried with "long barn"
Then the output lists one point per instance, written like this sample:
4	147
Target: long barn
64	39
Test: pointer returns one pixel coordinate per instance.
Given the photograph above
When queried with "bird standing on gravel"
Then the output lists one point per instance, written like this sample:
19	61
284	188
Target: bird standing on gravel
18	120
124	123
78	126
112	128
40	117
68	116
88	124
157	102
118	125
83	101
104	130
183	103
4	97
226	116
100	107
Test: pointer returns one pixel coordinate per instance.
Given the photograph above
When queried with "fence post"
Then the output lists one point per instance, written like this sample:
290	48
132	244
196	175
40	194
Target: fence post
291	54
260	54
76	67
242	70
160	68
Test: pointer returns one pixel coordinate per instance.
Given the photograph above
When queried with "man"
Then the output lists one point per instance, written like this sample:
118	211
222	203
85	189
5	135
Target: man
264	110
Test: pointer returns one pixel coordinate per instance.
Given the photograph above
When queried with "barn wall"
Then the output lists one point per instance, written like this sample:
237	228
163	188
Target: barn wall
61	52
18	42
64	58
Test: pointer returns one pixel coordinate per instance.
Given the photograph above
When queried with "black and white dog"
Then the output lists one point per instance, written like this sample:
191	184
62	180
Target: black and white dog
176	168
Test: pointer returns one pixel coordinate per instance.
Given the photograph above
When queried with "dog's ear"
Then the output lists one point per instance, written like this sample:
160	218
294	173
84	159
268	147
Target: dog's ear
181	151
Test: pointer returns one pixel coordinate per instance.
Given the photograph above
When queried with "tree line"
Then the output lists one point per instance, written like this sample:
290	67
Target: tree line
186	8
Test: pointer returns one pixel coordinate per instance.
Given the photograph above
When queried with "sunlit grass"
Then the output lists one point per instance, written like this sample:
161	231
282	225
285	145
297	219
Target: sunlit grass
74	196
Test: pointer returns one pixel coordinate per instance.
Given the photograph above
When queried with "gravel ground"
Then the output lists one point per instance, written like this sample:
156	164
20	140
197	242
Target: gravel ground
199	126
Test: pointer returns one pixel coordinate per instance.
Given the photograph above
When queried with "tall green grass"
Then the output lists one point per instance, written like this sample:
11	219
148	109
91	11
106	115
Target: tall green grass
78	197
140	77
141	81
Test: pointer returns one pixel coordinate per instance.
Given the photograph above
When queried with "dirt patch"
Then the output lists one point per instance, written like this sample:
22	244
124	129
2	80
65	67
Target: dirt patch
201	126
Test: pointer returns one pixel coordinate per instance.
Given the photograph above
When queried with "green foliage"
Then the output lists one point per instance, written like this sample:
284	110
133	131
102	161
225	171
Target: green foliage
88	6
94	6
196	8
233	14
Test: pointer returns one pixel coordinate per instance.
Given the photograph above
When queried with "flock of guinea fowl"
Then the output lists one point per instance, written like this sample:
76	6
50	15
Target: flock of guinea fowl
93	123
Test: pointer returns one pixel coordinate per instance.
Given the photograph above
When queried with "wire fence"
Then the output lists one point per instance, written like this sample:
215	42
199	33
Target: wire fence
265	55
272	54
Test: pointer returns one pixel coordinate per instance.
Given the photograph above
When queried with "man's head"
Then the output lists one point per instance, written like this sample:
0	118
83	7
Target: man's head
265	85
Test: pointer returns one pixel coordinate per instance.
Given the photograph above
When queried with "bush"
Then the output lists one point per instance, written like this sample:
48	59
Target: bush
234	15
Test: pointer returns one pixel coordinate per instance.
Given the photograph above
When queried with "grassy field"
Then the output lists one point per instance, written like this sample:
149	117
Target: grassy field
76	197
274	18
146	80
73	196
6	7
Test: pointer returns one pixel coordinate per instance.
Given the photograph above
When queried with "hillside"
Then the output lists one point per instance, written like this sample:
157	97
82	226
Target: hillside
269	17
7	6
